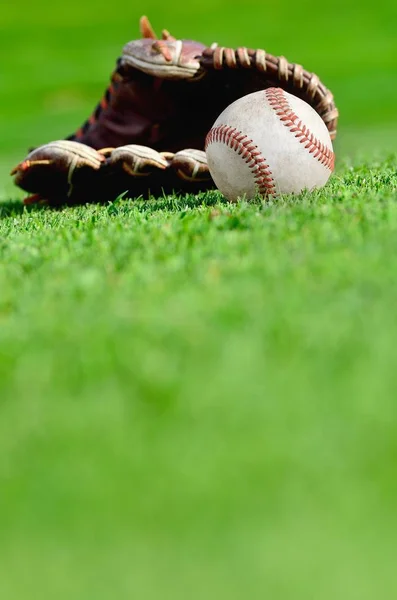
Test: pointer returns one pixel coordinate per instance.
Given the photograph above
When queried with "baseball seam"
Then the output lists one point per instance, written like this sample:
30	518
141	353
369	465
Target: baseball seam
317	149
249	152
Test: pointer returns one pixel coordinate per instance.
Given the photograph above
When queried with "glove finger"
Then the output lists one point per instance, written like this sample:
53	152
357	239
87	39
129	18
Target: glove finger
133	169
137	161
141	171
53	170
191	165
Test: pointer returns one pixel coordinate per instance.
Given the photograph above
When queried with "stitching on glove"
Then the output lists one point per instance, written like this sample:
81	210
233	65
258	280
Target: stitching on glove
115	79
249	152
280	104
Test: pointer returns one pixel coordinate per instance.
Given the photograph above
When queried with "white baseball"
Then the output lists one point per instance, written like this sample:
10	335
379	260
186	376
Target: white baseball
269	143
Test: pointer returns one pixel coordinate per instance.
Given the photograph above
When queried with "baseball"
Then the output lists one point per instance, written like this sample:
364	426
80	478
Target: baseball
269	143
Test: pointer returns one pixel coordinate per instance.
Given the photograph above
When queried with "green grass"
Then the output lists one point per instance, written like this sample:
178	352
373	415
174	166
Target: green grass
197	399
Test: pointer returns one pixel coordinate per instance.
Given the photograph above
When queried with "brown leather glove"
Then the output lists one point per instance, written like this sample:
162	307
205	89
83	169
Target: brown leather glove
147	134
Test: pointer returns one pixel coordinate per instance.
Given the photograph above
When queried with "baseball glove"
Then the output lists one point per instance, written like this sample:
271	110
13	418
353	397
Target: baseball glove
148	132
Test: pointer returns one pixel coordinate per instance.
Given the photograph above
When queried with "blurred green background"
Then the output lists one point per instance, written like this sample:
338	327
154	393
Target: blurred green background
56	59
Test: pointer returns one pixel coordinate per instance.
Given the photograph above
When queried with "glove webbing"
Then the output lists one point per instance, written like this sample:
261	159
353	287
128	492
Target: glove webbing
277	70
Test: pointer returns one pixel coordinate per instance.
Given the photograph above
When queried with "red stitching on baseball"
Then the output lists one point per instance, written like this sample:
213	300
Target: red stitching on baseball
248	151
281	106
